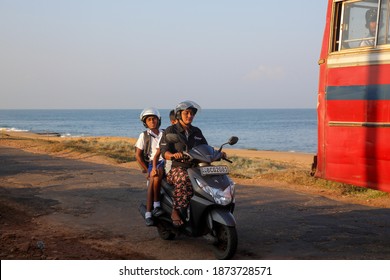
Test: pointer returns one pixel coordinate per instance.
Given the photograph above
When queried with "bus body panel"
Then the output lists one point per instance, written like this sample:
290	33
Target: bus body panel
353	111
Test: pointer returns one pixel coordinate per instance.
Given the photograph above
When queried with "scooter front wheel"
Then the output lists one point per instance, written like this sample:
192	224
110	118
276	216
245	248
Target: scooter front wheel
227	240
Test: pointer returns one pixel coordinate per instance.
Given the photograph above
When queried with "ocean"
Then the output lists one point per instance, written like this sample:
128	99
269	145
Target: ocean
292	130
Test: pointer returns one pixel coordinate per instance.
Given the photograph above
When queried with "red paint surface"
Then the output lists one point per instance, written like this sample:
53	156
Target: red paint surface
355	155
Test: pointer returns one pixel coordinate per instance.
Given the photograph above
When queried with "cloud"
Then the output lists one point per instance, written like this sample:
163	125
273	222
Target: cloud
265	73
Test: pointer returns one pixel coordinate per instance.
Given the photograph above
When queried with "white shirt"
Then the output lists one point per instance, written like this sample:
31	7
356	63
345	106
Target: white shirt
154	143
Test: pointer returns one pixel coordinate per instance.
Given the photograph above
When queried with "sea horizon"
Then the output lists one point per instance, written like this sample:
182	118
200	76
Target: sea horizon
292	130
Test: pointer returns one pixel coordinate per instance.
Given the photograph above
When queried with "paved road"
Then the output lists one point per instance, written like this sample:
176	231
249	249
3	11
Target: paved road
98	204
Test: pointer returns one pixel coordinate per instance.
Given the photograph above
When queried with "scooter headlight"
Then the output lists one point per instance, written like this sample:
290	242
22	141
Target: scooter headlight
222	197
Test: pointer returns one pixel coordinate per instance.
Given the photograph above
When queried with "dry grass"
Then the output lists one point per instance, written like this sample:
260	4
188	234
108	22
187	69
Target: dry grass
296	174
119	150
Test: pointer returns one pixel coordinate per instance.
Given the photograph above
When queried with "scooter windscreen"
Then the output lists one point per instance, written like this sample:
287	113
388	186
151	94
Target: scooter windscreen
205	153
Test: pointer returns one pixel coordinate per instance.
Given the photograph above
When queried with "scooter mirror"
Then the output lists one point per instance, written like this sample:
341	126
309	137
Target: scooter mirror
233	140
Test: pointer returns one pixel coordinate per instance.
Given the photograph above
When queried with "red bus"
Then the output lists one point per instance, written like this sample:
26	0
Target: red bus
354	94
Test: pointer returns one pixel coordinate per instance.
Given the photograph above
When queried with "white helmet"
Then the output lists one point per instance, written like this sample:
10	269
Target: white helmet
150	112
184	106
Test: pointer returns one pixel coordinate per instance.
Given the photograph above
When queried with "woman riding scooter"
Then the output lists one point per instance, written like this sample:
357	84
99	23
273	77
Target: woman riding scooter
178	176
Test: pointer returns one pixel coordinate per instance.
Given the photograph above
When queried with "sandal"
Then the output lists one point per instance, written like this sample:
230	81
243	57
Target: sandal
176	221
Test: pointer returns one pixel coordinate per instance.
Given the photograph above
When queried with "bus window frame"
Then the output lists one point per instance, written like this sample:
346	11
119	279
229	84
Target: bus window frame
337	28
387	23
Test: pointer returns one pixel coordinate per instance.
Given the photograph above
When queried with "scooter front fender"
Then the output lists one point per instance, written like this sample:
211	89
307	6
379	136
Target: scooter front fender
223	216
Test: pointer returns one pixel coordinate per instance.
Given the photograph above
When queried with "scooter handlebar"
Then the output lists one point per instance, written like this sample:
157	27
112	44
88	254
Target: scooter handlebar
187	156
228	160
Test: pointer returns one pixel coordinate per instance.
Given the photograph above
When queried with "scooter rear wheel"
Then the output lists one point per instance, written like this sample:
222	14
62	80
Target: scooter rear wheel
227	240
164	232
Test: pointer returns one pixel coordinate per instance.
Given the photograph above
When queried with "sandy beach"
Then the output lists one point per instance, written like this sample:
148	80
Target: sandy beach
7	139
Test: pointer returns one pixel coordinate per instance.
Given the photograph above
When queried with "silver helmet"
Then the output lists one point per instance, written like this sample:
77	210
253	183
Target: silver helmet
150	112
184	105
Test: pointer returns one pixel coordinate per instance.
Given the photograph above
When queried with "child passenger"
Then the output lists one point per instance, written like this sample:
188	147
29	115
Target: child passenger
157	156
168	162
146	148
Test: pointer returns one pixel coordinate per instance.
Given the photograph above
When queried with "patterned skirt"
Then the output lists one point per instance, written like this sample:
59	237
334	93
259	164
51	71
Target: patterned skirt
178	177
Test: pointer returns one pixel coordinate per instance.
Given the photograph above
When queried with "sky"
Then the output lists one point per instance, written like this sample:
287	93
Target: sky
125	54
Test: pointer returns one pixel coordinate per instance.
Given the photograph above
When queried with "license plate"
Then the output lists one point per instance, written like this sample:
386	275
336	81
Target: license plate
214	170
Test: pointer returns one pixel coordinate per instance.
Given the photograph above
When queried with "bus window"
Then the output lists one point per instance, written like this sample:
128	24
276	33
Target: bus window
355	24
354	30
